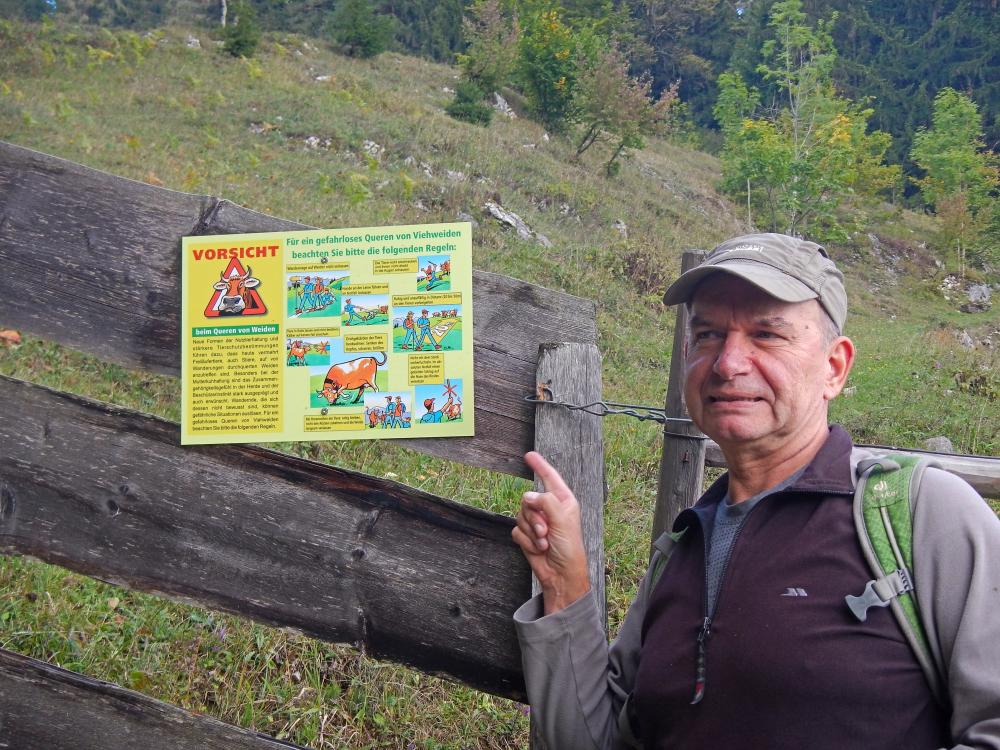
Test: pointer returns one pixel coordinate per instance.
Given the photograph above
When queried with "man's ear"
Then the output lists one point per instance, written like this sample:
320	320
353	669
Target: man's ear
839	360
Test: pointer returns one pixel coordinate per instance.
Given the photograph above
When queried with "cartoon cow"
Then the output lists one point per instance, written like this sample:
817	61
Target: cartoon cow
235	291
354	374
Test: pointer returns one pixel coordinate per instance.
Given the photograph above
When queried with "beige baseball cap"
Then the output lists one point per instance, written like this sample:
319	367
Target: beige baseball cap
787	268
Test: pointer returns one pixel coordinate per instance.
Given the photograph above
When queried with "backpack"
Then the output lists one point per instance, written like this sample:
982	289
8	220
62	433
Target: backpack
884	500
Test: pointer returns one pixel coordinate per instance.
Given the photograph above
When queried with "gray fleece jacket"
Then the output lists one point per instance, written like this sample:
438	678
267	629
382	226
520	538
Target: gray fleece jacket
578	686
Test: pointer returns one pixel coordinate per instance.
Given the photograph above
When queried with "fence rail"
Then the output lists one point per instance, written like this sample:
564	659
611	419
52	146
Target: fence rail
47	708
336	554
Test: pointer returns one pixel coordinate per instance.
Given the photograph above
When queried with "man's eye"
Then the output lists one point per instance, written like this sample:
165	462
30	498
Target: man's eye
704	335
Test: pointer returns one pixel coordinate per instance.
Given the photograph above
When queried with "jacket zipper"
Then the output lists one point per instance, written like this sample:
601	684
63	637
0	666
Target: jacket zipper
700	677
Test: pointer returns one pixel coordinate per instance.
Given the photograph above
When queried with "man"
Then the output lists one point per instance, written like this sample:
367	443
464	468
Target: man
350	309
424	324
410	331
743	640
390	414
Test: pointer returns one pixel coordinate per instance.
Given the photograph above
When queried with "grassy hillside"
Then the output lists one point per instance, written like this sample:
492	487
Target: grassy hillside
285	133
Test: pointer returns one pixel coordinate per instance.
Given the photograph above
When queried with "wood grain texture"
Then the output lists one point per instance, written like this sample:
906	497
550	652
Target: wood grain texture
92	261
339	555
47	708
682	466
573	442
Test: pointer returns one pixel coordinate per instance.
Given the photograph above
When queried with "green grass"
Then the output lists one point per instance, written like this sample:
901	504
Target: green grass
267	134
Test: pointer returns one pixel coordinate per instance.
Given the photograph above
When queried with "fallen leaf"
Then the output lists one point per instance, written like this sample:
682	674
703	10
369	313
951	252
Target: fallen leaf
152	179
9	337
113	602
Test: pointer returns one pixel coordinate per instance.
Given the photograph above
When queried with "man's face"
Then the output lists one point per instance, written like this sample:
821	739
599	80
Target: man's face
758	371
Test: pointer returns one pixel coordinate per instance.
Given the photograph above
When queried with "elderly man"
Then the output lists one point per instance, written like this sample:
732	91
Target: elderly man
742	639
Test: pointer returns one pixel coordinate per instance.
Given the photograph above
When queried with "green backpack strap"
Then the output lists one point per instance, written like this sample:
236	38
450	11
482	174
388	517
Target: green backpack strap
665	546
883	516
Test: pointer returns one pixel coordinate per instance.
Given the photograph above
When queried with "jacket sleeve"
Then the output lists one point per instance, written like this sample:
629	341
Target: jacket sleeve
956	560
577	685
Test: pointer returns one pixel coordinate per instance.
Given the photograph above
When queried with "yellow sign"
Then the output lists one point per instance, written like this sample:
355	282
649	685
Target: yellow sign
322	335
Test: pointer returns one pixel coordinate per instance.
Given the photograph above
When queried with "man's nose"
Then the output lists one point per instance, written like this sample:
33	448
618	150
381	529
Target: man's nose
733	358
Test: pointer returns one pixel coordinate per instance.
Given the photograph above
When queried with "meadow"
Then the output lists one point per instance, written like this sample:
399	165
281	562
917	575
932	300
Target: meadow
308	135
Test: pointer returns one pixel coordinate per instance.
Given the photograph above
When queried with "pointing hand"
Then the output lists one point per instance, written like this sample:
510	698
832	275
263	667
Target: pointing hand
549	534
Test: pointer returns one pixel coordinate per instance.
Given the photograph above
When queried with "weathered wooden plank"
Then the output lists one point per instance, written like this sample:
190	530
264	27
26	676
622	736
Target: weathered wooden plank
573	442
982	472
682	466
92	261
43	707
339	555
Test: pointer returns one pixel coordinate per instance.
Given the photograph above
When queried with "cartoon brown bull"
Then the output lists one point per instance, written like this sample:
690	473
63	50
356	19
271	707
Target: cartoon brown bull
354	374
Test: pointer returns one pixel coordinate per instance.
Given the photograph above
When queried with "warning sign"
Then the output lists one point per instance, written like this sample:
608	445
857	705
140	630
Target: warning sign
235	293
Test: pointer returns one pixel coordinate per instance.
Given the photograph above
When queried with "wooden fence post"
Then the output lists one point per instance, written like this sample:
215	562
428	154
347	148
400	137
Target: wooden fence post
682	468
573	442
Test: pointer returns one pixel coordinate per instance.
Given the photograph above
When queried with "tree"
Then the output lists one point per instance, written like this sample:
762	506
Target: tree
613	105
961	176
359	29
242	33
547	67
492	36
798	161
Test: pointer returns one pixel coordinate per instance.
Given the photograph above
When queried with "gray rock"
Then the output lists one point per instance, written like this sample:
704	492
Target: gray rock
462	216
979	299
939	444
374	150
193	42
622	228
966	340
500	105
515	222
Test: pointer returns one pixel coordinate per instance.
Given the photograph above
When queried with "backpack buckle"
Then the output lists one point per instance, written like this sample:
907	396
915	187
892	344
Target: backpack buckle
880	593
859	605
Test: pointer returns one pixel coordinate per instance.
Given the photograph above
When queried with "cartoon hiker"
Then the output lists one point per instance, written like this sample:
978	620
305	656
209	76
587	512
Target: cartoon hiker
410	331
297	289
350	308
430	274
400	411
425	332
308	295
390	413
431	417
321	293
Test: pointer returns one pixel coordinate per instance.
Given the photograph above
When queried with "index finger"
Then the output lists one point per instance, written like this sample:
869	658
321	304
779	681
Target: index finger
545	471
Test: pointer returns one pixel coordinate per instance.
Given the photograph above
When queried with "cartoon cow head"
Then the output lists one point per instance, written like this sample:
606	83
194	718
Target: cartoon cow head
235	291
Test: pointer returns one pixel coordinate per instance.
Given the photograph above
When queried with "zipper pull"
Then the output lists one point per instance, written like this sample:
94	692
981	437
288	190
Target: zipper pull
699	681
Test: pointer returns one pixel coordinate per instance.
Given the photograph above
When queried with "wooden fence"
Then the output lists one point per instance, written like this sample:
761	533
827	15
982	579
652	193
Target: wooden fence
92	261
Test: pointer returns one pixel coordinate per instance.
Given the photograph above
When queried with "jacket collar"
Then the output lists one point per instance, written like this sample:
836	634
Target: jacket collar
829	473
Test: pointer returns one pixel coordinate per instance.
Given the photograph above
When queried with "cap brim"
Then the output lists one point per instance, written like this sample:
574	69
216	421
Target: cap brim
766	278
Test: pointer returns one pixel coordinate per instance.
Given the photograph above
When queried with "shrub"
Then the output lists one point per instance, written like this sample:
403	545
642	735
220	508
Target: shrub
242	36
469	105
359	29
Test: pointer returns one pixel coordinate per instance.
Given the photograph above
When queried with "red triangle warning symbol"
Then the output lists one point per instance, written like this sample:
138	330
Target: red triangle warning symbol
235	293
